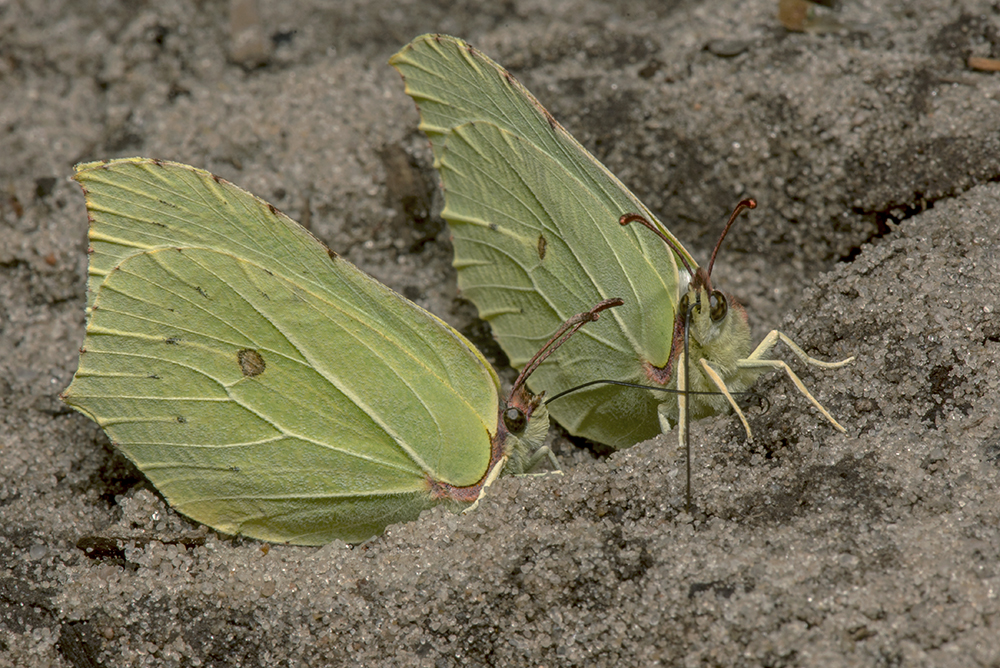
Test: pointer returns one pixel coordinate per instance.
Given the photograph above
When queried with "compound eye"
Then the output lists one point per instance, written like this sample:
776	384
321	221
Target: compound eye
685	304
719	306
515	420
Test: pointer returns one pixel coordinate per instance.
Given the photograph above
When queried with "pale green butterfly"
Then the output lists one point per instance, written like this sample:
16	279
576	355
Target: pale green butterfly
266	386
534	219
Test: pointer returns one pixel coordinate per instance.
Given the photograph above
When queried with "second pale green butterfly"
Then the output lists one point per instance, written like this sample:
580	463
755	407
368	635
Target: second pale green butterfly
535	223
266	386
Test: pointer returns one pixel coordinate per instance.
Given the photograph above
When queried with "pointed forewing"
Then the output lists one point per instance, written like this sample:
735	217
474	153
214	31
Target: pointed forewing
453	84
138	204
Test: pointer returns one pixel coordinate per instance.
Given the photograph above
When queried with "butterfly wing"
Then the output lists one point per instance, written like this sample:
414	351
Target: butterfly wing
534	219
266	387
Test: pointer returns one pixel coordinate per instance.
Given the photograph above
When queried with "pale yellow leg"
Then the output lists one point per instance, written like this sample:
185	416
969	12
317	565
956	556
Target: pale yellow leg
544	452
719	383
665	417
755	361
682	425
490	477
772	339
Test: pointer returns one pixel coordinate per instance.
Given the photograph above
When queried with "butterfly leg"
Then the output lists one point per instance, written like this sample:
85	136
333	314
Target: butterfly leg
682	398
719	383
490	477
772	339
544	452
756	361
664	415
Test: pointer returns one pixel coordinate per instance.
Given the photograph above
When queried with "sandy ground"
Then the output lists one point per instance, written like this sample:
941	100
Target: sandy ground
873	151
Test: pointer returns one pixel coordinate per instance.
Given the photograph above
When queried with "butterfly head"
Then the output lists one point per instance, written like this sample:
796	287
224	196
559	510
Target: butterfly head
717	327
522	428
714	315
524	420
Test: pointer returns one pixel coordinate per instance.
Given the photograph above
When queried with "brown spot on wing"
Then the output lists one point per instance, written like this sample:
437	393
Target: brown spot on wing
542	243
251	362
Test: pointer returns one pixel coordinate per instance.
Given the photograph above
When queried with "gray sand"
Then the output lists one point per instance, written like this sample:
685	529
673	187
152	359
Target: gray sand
873	152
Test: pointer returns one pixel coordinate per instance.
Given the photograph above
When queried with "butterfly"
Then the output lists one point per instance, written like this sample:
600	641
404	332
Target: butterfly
540	228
